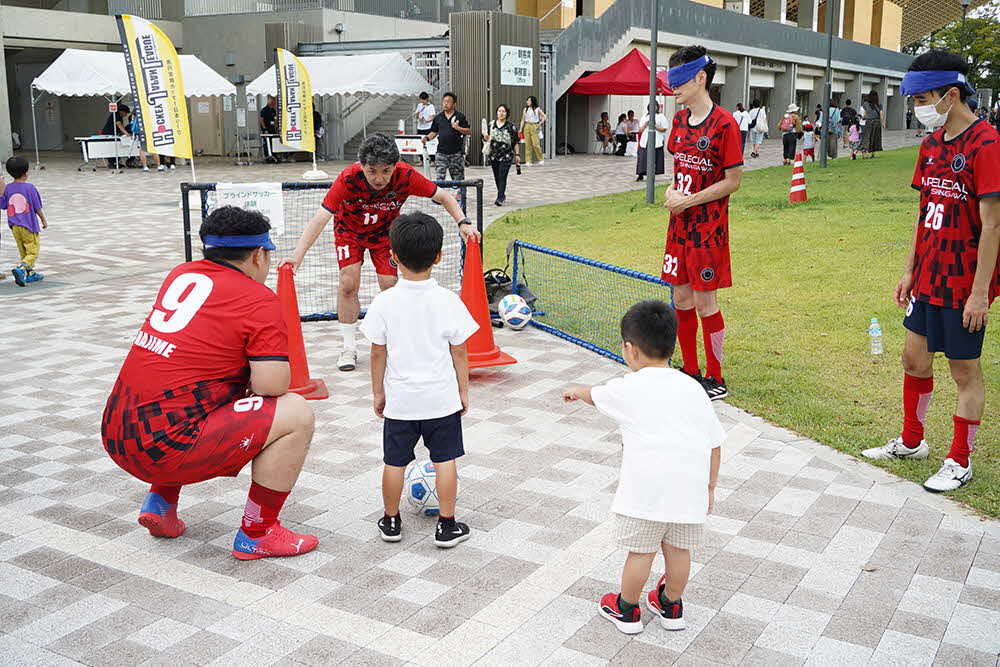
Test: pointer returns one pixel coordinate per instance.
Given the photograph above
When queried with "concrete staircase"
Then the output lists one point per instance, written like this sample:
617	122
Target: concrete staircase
387	123
549	36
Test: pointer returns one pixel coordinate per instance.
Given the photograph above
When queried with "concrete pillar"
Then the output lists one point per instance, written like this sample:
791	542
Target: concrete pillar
774	10
6	147
808	14
818	93
854	91
737	86
784	89
895	112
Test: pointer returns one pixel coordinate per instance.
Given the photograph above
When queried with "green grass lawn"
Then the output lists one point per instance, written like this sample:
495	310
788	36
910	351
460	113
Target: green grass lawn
807	278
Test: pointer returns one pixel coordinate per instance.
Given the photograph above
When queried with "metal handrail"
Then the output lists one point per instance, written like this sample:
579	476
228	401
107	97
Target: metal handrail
549	13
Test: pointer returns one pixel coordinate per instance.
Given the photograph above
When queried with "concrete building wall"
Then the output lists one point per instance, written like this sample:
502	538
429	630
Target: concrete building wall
858	20
887	25
40	25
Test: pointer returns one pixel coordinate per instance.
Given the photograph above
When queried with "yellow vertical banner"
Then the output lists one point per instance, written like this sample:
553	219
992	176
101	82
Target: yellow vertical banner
295	102
154	72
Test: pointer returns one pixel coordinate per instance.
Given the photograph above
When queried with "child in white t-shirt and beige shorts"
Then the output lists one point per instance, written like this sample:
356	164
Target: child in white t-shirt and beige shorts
671	442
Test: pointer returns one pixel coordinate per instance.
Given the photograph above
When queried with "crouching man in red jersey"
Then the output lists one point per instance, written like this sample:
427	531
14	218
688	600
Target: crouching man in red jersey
204	389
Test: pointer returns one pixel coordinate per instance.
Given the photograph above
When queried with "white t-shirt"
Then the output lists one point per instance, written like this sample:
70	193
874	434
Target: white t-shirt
661	137
531	115
669	430
425	116
418	321
622	128
743	118
633	126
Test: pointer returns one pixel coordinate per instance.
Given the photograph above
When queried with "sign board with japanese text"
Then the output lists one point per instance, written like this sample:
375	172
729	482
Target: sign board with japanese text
263	197
517	65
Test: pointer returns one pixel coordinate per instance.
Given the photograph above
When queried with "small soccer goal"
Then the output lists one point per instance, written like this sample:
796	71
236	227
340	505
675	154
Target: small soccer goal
578	299
317	279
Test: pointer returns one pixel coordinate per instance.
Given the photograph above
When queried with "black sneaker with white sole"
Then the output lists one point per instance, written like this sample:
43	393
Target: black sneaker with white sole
716	389
390	528
450	532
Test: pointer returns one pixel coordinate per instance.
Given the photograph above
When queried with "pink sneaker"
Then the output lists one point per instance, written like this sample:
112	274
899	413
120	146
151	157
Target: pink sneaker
159	518
277	541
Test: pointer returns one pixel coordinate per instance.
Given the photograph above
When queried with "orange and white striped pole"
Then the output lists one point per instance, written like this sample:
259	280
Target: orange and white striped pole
798	191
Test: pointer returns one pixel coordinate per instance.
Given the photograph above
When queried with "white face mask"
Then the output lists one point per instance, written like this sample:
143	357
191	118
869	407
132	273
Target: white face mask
929	117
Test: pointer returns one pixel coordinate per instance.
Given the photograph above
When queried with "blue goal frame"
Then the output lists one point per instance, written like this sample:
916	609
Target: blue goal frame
629	273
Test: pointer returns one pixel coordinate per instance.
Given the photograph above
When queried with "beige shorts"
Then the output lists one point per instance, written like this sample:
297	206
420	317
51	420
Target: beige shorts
644	537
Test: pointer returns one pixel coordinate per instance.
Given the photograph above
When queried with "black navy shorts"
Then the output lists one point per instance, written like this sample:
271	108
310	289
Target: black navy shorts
944	331
442	438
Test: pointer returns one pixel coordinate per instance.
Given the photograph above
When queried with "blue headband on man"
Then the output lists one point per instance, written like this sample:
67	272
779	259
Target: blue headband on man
252	241
678	76
915	83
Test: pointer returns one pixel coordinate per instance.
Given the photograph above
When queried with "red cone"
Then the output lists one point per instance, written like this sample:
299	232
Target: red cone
798	191
312	389
482	349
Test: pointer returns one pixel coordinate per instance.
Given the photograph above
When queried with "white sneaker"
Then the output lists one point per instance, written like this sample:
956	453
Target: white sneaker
161	168
173	167
146	169
348	360
540	163
895	449
949	477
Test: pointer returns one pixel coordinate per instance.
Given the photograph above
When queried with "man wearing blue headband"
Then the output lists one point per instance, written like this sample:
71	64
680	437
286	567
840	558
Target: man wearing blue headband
951	275
707	147
204	390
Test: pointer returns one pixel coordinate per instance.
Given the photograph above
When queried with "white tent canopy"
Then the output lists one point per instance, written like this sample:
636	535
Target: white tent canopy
86	73
372	74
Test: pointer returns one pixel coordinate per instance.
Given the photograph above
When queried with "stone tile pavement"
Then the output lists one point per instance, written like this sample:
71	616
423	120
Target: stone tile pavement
812	556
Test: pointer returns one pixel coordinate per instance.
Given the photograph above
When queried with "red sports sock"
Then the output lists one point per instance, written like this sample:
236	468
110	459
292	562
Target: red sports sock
262	509
917	394
713	331
168	493
962	442
687	335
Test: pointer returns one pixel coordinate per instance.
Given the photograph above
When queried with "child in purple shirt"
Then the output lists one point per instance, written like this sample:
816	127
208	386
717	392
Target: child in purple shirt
24	209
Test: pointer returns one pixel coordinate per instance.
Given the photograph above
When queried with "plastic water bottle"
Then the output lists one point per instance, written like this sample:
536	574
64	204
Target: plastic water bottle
875	333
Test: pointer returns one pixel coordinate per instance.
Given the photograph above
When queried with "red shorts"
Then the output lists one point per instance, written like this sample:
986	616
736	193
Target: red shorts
223	443
704	269
808	152
351	251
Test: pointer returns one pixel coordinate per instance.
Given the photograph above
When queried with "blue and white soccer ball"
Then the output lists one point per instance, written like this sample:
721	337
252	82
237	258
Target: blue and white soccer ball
514	311
421	488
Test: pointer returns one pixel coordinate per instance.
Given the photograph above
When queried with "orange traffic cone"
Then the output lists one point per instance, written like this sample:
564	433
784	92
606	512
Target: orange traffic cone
482	349
798	191
312	389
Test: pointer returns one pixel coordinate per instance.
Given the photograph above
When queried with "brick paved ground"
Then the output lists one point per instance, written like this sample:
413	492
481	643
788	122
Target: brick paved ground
812	557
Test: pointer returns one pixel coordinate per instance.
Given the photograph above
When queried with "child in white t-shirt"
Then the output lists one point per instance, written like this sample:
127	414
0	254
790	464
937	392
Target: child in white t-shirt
670	464
420	373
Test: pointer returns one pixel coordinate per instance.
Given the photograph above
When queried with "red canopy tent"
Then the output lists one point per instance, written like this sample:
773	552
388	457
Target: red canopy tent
628	76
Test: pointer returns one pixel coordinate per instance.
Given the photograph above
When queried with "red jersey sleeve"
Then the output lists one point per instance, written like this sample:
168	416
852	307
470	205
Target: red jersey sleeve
732	146
417	183
266	334
986	170
918	178
672	139
335	195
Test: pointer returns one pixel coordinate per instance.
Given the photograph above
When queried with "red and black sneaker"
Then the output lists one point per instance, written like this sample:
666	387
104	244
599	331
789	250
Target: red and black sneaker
671	612
626	617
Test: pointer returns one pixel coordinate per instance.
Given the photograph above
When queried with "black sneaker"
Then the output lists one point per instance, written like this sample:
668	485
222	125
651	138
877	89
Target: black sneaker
391	528
450	533
716	389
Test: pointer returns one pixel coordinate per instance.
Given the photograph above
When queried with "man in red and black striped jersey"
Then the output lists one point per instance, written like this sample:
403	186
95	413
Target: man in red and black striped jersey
952	274
707	146
204	389
363	202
